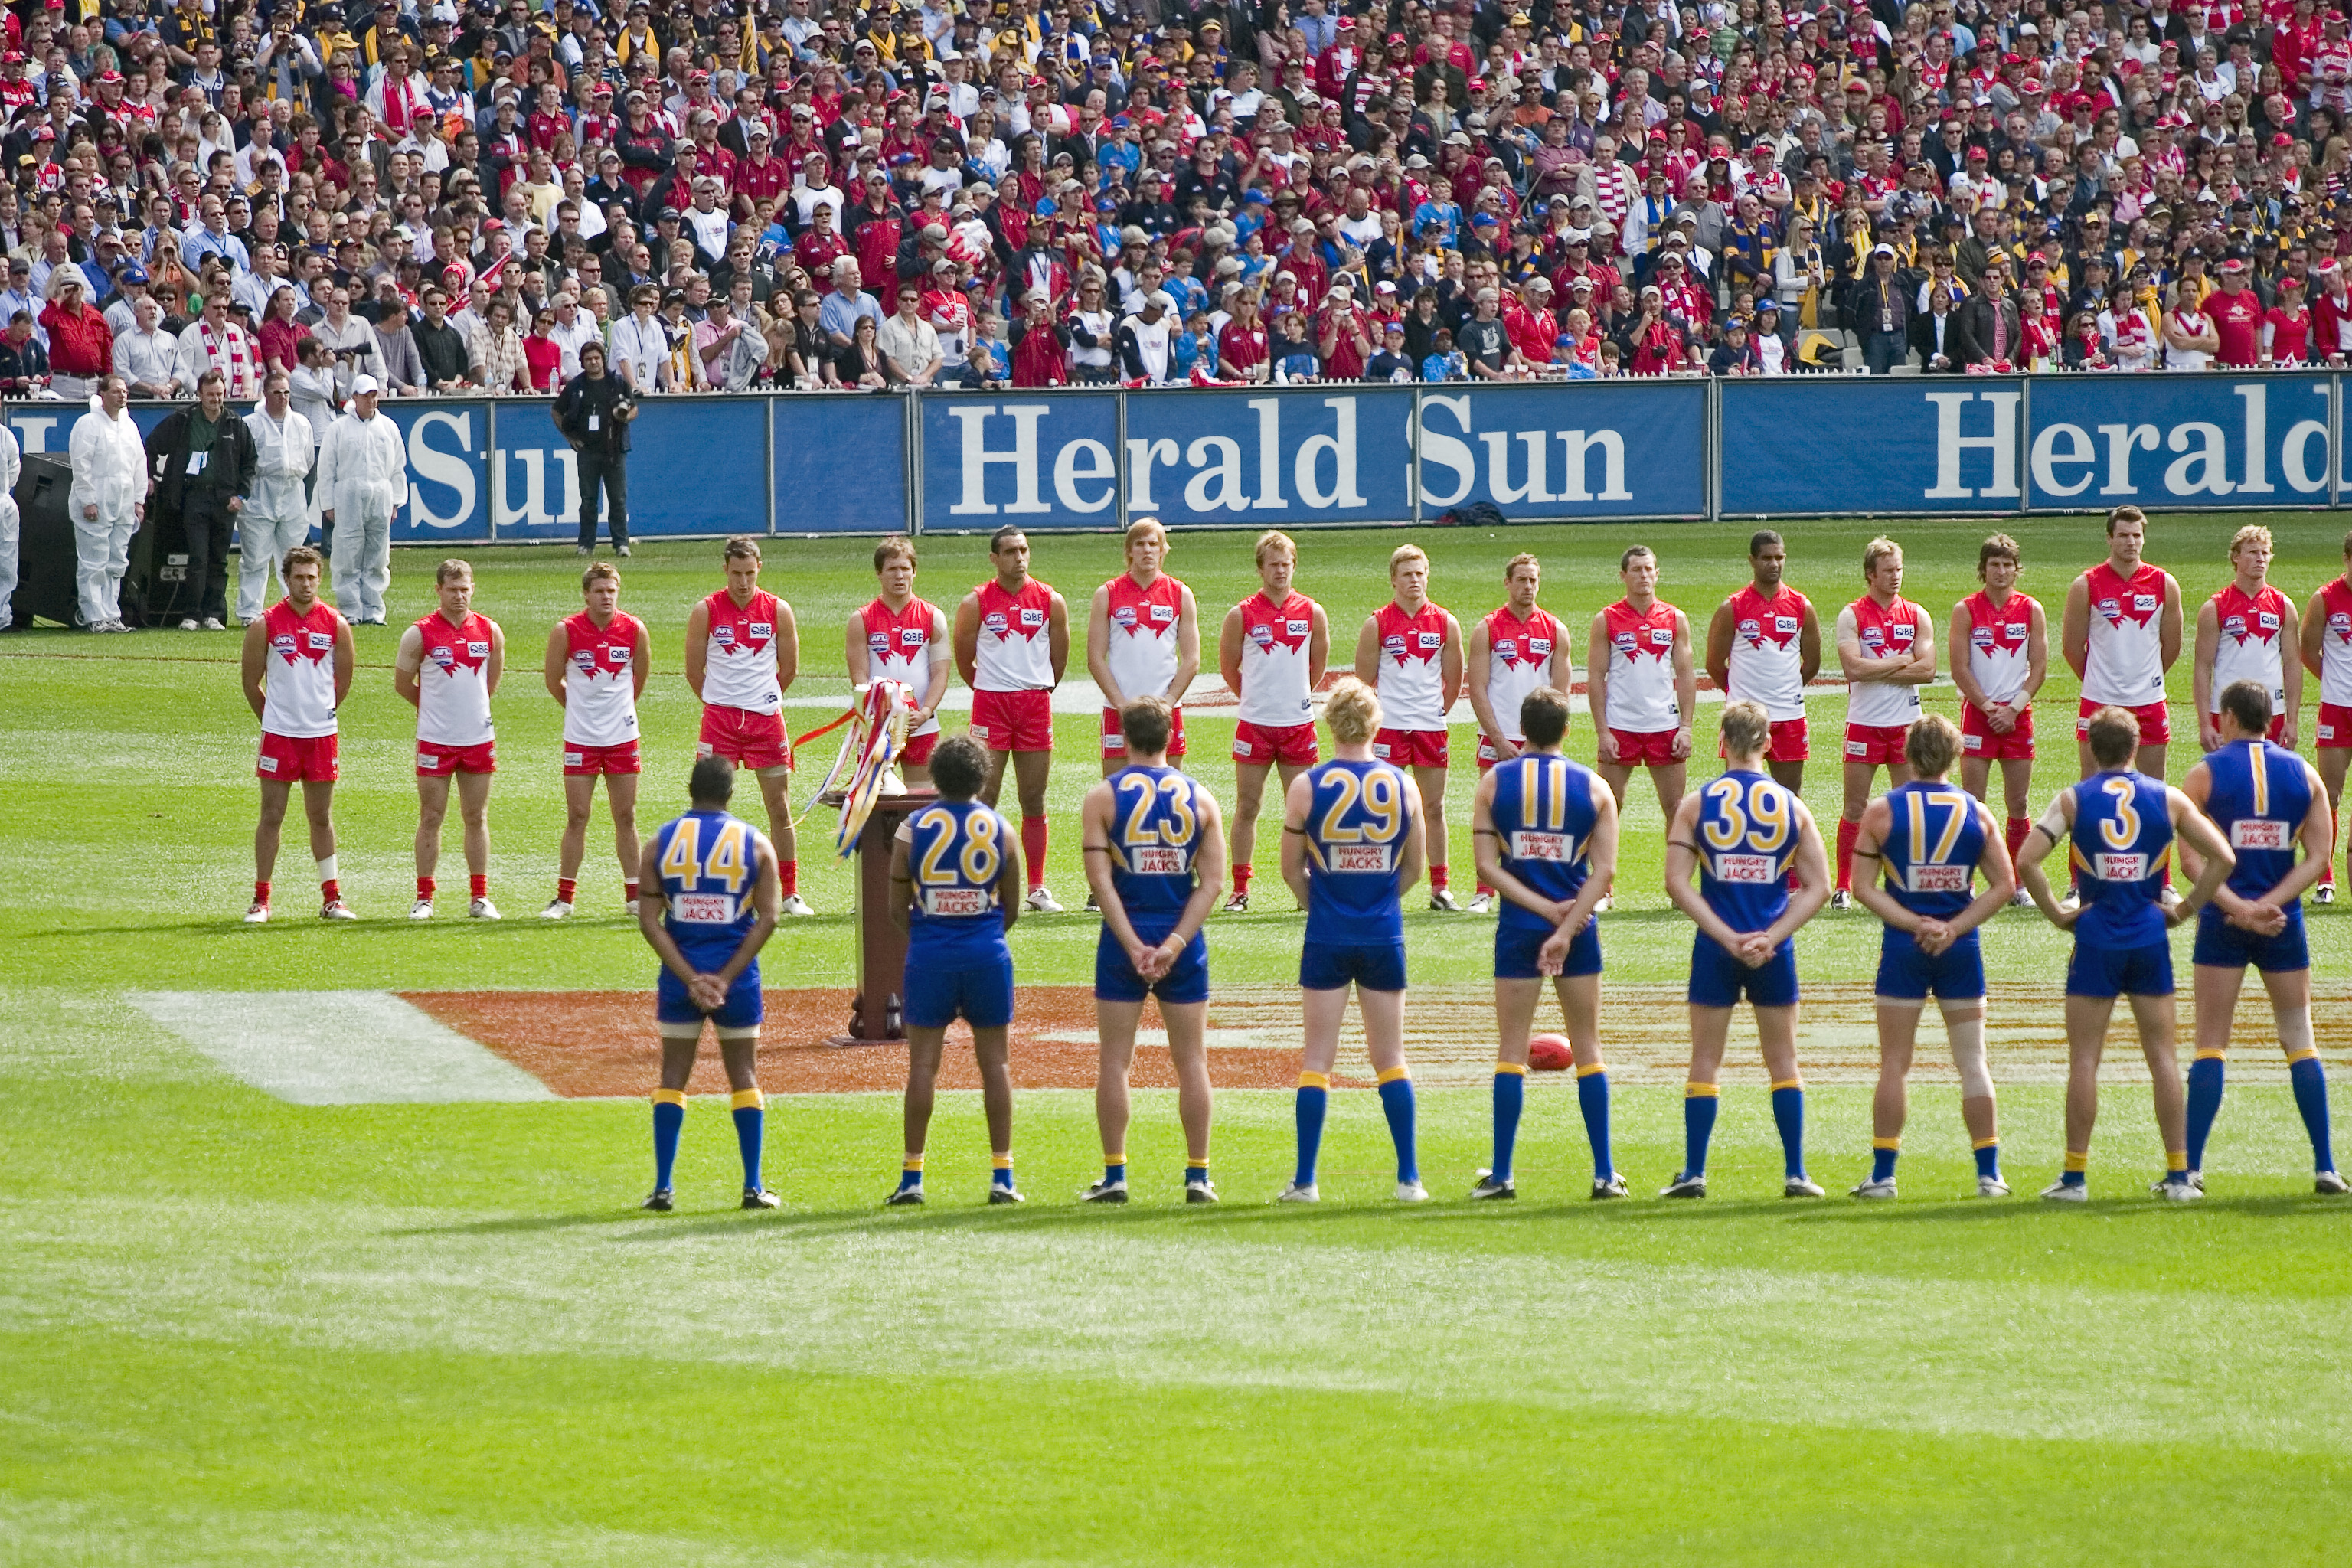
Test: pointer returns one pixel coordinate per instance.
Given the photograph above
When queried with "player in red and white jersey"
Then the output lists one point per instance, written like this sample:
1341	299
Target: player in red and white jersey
1886	646
1144	640
1764	646
2326	643
1641	681
1409	651
1012	645
903	639
596	667
742	652
298	670
2242	633
1516	649
2000	656
447	668
2121	632
1272	653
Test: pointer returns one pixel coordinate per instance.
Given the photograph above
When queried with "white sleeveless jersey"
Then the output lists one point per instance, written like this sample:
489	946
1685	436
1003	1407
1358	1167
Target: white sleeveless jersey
1640	698
298	701
1141	645
600	681
1896	628
1518	659
2335	644
1275	639
1767	662
1016	650
739	662
453	683
2125	662
1412	667
2249	647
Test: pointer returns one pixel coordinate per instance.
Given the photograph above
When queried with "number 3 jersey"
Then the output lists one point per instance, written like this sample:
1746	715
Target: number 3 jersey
1356	818
1155	831
709	866
1934	835
1542	814
955	853
1746	832
2121	844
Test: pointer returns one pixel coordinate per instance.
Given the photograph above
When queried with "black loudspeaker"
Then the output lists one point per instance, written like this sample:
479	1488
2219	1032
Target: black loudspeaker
45	549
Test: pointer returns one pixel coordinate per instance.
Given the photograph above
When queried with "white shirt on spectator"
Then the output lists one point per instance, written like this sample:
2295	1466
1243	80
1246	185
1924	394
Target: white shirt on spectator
808	198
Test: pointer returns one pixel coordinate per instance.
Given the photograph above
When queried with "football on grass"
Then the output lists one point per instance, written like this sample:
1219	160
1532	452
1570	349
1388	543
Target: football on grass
1549	1053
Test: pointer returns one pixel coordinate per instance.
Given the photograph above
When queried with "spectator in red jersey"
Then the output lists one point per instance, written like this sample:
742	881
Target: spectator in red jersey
82	345
2286	327
1041	347
2237	315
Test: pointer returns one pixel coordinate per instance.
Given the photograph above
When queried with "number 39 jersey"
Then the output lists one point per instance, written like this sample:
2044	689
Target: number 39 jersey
1934	835
1746	834
710	865
1356	820
1155	831
955	853
1542	814
2121	844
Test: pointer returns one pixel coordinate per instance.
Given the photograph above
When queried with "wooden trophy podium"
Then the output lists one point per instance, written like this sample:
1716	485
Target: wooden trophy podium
877	1015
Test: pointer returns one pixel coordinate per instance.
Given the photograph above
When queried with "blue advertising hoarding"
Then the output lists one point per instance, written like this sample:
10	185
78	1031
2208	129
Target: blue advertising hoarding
1041	459
1266	457
841	464
1933	444
2212	440
1565	450
695	468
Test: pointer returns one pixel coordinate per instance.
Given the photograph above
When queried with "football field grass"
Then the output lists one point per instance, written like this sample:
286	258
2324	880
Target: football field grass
239	1329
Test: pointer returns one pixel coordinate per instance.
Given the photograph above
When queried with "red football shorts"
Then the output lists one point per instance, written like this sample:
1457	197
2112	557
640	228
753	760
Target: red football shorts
1264	745
589	761
1645	748
436	761
2277	728
1411	748
1014	720
917	753
1114	739
1978	739
2155	722
1489	753
1791	742
1877	743
291	759
2334	728
749	740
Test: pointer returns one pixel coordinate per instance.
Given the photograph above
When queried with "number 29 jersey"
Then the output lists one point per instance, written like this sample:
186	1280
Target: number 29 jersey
955	853
1356	819
1747	836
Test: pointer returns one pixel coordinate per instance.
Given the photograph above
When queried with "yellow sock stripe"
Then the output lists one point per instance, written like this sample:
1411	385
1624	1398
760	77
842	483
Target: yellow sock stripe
1389	1075
1001	1161
1117	1159
1315	1080
1591	1067
2176	1159
1887	1142
2218	1053
1788	1083
2308	1053
913	1162
745	1099
1201	1164
669	1096
1699	1091
2078	1159
1986	1144
1515	1070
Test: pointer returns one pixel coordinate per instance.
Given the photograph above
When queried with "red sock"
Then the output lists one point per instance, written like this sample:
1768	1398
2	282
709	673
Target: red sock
2327	874
425	889
788	873
1847	832
1241	878
478	884
261	892
1437	878
2013	835
1032	848
629	894
329	892
566	887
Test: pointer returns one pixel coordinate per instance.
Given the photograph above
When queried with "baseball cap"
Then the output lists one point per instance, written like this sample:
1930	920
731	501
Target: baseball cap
365	384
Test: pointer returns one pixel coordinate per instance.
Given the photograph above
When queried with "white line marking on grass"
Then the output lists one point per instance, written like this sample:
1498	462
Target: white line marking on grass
337	1048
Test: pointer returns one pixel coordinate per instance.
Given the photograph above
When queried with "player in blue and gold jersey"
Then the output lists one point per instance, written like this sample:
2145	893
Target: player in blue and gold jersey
1728	854
1929	840
1545	832
955	888
2267	802
1155	845
708	901
1351	847
2119	827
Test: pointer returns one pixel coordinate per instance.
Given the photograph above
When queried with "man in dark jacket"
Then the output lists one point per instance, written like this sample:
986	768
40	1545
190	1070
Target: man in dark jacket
202	459
1987	324
593	412
1878	311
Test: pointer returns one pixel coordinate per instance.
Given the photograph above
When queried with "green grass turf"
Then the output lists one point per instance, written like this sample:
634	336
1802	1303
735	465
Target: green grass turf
236	1330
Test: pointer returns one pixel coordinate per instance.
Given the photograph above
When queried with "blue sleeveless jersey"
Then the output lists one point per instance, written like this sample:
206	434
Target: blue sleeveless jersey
1542	814
1355	846
2121	845
1746	837
709	866
1155	831
2259	795
955	852
1934	835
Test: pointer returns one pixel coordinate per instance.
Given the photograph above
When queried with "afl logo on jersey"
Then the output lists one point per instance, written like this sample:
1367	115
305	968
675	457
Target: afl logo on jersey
443	655
1872	638
1508	650
1262	634
586	659
2235	627
1125	616
723	635
2341	625
284	644
1394	646
1627	642
995	624
1980	636
1751	631
2112	609
878	642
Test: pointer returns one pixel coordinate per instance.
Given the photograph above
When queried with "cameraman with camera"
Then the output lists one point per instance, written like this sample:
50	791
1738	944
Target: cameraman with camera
593	412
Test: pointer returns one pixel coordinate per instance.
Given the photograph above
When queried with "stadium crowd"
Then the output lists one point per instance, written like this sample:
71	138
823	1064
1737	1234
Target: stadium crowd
459	196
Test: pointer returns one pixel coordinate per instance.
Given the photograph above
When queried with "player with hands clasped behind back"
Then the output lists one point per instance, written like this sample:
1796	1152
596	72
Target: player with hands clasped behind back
1930	839
2001	657
297	666
1351	847
2119	827
708	901
596	667
1155	847
447	667
900	637
1545	832
1729	855
1409	651
1886	646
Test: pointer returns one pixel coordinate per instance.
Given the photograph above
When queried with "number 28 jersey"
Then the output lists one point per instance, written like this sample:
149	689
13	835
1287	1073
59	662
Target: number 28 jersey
1356	821
1747	836
955	853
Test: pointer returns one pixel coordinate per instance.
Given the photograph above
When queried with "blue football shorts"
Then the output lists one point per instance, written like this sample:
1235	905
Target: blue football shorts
982	998
1330	965
1515	948
2120	971
1955	975
743	1010
1719	980
1115	979
2225	946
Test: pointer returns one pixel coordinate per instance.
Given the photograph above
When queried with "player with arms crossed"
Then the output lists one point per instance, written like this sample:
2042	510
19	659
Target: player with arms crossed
1271	652
2266	801
1516	649
2119	827
1642	684
1351	847
297	666
1546	838
1144	640
1886	646
2326	646
900	637
708	903
1730	852
1764	646
447	668
954	883
1012	645
2121	631
1931	840
2242	633
597	665
1409	651
2001	657
1155	846
743	652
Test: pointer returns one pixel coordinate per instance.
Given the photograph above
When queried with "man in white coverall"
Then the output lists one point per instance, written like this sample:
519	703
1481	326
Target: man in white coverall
106	500
276	515
362	479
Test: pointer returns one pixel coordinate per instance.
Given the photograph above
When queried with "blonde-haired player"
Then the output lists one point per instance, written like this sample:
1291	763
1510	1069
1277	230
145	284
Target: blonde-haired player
1641	685
1886	646
1144	640
1516	649
2242	634
596	667
1409	651
900	637
1272	653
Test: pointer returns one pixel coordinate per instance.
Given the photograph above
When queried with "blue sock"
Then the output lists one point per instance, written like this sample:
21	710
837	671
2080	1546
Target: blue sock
1788	1115
2205	1082
1396	1098
1001	1176
1989	1160
1592	1098
912	1174
1699	1126
1196	1175
669	1120
1882	1157
2310	1081
750	1124
1510	1099
1114	1171
1313	1098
